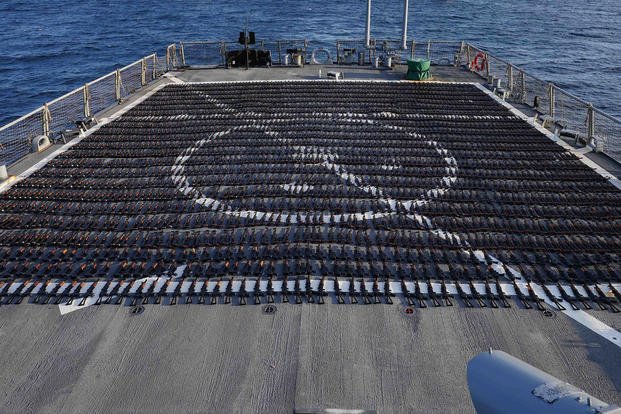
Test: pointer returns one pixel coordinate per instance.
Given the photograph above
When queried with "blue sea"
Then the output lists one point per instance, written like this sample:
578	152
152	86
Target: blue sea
50	47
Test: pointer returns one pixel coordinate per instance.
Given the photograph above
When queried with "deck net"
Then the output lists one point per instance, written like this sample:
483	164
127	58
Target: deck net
16	138
66	110
608	134
200	54
131	78
103	93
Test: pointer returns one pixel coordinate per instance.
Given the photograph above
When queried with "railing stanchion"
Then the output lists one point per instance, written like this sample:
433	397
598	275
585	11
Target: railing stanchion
223	52
46	120
551	103
117	85
171	57
279	47
182	51
468	58
143	71
429	49
413	45
510	78
154	66
87	100
460	56
522	87
591	128
338	54
487	69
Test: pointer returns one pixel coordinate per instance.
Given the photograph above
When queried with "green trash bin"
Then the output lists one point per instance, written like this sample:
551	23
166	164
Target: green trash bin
418	69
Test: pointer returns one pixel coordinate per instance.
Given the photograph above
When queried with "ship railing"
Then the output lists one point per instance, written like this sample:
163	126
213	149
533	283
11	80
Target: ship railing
208	53
56	118
557	109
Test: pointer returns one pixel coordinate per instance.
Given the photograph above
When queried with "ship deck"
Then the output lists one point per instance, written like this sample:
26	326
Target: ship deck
208	188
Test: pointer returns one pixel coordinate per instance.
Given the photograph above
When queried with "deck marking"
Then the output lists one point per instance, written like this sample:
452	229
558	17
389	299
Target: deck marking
328	160
580	316
184	186
159	282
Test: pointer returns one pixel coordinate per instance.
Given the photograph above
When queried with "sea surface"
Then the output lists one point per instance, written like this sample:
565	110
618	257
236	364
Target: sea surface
48	48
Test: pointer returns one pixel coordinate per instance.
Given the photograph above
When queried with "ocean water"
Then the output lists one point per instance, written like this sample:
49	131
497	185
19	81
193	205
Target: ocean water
48	48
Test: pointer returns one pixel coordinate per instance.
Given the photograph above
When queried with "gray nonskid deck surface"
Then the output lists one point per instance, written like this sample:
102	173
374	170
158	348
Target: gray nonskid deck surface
221	359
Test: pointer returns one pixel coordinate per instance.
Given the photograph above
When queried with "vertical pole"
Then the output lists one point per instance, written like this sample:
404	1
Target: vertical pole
338	53
182	50
46	119
406	7
412	47
154	66
117	85
428	49
591	127
305	52
367	37
551	103
279	52
87	101
487	70
522	87
246	44
468	57
143	71
510	77
223	52
171	57
460	55
247	53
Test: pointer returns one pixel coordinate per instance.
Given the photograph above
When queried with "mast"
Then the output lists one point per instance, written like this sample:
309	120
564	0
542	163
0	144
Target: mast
405	25
367	41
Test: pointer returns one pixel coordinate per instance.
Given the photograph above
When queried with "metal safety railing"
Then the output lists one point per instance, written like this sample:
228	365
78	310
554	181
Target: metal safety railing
213	53
556	108
62	113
